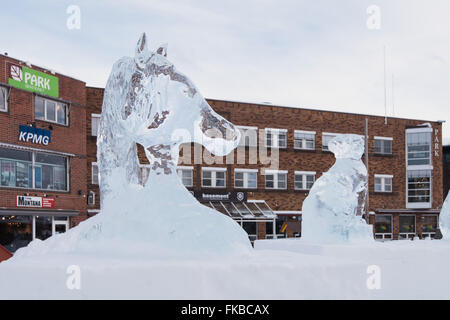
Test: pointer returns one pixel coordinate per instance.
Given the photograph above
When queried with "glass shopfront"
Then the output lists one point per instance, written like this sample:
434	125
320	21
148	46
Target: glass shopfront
18	231
33	170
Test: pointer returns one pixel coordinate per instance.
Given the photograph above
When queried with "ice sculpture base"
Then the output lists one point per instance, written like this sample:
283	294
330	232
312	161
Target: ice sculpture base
159	220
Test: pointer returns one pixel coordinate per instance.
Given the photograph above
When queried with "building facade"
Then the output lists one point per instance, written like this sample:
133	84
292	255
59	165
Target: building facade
446	158
264	190
49	173
42	153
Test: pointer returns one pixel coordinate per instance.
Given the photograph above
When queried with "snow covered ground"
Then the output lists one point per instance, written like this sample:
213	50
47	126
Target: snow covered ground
276	269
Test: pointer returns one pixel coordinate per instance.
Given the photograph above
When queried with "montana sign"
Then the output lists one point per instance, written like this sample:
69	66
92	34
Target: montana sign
31	80
35	202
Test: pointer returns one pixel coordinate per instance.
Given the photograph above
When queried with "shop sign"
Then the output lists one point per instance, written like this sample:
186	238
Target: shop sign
436	143
32	80
35	202
220	196
34	135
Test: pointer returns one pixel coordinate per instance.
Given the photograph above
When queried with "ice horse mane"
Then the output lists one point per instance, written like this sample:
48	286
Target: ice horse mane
146	100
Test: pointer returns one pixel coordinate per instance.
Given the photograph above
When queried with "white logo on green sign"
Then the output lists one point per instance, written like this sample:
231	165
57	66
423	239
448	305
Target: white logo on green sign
31	80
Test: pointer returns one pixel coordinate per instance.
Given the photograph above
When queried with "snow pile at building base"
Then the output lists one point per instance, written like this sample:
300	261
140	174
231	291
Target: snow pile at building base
276	269
333	210
444	218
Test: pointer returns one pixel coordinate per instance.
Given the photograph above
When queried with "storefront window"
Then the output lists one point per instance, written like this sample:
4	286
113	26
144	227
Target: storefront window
43	227
429	224
251	229
407	224
15	231
53	172
383	224
50	171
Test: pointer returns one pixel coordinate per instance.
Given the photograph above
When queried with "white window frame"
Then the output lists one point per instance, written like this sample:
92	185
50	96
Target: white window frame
214	171
303	140
383	139
421	166
304	175
97	117
328	134
65	105
245	130
384	235
245	173
5	91
419	205
383	178
275	174
94	164
180	170
93	198
407	235
275	133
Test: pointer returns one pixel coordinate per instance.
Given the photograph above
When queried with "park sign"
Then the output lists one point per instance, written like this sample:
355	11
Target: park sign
32	80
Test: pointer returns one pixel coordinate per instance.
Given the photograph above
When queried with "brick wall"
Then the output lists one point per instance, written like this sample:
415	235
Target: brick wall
68	139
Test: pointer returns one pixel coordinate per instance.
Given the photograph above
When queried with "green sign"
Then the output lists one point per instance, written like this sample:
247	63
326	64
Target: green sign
31	80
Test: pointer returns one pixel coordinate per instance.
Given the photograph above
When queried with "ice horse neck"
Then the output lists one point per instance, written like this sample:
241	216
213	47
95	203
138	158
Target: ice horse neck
149	102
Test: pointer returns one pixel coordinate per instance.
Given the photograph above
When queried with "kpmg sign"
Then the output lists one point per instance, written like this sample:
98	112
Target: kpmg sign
34	135
31	80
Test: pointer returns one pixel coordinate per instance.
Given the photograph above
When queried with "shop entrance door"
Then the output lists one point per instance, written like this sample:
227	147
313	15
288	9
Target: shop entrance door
60	226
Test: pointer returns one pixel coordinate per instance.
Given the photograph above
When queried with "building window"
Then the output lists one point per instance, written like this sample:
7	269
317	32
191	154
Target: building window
3	99
245	178
419	187
304	140
383	223
95	123
91	198
214	177
418	147
249	136
33	170
383	145
326	137
276	179
304	180
429	226
94	173
407	226
50	110
383	183
186	175
276	138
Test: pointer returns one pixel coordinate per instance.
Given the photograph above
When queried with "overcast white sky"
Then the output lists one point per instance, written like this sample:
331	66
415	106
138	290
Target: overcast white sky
316	54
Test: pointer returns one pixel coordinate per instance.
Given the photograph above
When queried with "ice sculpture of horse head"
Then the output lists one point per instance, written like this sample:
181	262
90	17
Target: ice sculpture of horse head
147	101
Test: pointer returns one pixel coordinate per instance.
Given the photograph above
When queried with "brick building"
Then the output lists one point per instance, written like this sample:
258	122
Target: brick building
446	158
42	152
49	176
404	157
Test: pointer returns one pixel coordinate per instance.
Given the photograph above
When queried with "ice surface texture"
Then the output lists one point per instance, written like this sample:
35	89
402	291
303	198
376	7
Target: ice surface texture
444	218
147	101
333	210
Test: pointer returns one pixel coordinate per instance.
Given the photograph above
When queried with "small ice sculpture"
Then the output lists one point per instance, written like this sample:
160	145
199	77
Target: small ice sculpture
333	210
444	218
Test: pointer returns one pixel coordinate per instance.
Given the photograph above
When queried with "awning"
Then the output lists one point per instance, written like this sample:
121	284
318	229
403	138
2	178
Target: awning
36	212
431	211
243	210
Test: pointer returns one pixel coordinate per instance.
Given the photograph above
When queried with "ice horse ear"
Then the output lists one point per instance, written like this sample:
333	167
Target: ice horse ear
162	50
142	53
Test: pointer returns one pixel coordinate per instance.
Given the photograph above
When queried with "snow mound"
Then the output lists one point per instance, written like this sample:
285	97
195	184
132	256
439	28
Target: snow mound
333	210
